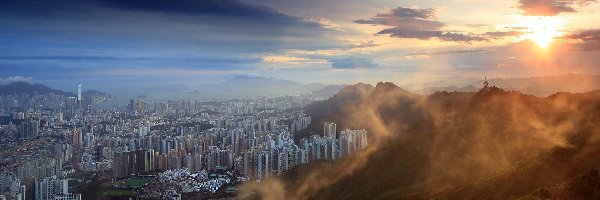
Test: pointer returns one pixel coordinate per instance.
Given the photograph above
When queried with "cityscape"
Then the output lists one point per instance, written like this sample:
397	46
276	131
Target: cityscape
299	100
153	149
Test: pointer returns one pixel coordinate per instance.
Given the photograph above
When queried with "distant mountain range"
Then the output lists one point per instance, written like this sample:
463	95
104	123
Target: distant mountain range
20	88
249	86
538	86
328	90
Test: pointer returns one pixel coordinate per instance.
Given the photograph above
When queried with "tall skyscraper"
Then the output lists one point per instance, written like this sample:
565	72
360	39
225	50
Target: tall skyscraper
78	91
79	96
329	129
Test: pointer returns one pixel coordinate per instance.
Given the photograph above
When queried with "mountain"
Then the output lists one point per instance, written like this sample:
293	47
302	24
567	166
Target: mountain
327	91
456	81
252	86
538	86
545	86
31	89
431	90
20	88
489	144
261	82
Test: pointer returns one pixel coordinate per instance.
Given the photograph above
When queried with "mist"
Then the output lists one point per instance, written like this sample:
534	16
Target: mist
448	140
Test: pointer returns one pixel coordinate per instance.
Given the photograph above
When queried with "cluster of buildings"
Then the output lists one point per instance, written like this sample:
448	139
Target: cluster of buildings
47	180
251	139
201	181
51	188
255	154
11	187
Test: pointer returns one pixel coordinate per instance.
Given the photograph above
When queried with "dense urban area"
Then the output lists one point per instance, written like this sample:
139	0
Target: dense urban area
61	146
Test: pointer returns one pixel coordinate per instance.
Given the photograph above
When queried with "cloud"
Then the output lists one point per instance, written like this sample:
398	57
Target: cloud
64	39
411	33
589	40
405	18
428	55
586	35
550	7
220	13
460	37
10	79
224	8
416	23
352	63
213	25
114	57
450	51
501	34
281	59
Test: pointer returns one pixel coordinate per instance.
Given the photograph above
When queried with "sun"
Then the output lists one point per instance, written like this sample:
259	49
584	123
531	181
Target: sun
542	30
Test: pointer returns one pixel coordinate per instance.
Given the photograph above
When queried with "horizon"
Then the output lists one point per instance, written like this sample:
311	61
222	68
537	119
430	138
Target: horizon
424	88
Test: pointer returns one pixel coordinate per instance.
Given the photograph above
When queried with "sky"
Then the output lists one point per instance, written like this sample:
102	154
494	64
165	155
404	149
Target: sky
112	44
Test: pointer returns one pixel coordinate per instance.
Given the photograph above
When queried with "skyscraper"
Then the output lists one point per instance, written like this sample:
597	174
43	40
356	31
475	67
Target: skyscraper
329	129
79	93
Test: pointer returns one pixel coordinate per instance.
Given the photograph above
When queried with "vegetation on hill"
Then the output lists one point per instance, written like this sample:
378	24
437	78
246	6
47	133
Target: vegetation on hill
491	144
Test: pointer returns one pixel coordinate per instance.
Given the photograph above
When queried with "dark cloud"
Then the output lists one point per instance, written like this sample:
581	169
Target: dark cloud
115	58
550	7
62	39
451	51
589	40
405	18
352	63
411	33
402	22
502	34
586	35
228	8
589	46
460	37
410	13
416	24
208	12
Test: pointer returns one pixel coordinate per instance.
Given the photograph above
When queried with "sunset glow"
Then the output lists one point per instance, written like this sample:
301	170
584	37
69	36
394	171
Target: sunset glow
542	30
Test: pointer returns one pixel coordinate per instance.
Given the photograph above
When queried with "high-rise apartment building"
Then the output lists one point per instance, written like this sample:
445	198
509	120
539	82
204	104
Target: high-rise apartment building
329	130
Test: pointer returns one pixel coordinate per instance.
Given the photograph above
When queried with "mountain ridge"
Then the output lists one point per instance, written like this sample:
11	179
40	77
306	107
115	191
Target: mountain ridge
489	144
21	87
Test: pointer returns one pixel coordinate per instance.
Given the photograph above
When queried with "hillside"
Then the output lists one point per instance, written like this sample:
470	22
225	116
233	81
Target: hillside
31	89
490	144
252	86
538	86
327	91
